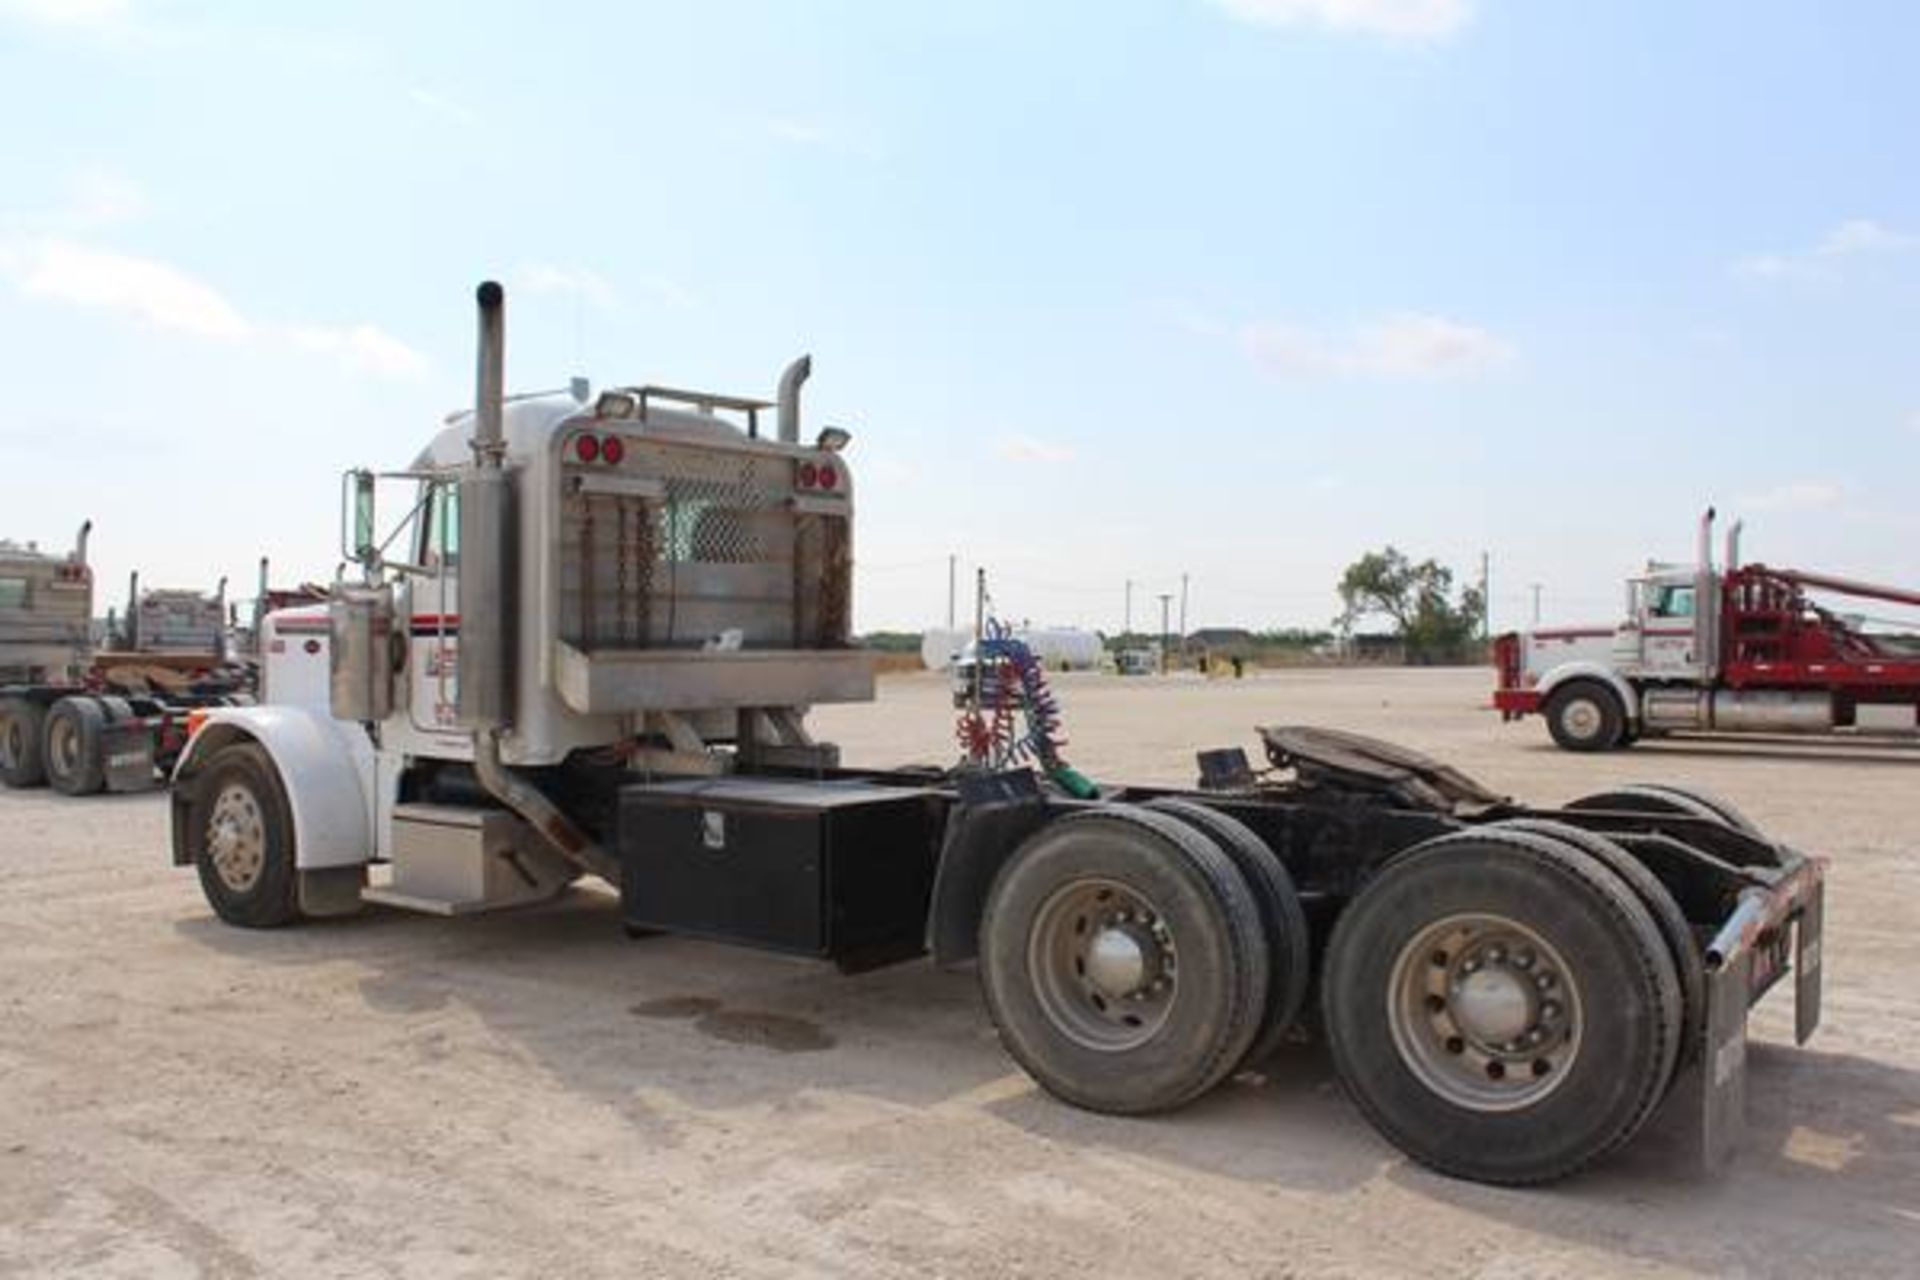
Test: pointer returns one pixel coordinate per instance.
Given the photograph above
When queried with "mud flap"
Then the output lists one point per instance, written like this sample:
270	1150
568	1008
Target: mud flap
1721	1074
126	755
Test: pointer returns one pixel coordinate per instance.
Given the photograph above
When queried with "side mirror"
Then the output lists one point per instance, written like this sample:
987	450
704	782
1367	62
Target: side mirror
357	518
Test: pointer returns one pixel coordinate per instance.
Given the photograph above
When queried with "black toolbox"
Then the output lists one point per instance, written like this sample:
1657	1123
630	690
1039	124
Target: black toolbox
841	869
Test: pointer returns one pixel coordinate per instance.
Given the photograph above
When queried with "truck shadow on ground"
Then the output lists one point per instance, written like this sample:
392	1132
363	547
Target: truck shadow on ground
1829	1170
1825	1182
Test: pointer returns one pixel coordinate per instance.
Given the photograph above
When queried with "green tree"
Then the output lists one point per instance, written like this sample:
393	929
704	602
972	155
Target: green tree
1417	598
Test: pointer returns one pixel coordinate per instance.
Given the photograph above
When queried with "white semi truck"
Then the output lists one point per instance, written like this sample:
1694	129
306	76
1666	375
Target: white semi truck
1739	648
588	648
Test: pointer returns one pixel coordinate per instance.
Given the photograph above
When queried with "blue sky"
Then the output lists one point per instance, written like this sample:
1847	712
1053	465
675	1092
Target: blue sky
1236	288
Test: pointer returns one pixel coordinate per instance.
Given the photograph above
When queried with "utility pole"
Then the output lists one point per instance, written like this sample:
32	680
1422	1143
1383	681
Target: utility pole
1127	630
953	579
1166	599
1183	609
1536	604
1486	595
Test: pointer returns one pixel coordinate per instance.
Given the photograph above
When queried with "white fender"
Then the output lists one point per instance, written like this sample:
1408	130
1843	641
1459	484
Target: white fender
326	768
1587	669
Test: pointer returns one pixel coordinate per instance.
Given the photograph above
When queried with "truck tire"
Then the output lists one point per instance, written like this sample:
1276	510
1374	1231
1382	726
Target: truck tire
1501	1006
1283	921
1688	963
240	837
75	766
22	734
1585	715
1122	960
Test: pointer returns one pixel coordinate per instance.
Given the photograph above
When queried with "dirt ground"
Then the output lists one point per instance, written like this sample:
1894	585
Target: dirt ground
531	1093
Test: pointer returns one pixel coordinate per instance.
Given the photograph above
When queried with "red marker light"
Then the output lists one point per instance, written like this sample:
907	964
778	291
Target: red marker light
612	449
586	448
809	475
828	477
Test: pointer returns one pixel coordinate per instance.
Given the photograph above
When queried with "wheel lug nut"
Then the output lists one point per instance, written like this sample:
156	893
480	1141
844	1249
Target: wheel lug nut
1544	982
1523	960
1496	954
1549	1010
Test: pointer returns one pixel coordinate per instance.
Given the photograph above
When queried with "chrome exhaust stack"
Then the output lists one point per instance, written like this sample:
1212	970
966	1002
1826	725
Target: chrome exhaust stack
80	542
791	380
486	596
488	603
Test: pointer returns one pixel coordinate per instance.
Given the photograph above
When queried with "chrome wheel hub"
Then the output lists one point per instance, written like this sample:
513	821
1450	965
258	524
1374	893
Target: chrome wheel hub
1103	964
237	838
1582	718
1485	1012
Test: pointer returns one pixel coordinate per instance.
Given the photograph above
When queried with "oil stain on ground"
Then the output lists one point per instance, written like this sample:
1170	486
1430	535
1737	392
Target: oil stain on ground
776	1031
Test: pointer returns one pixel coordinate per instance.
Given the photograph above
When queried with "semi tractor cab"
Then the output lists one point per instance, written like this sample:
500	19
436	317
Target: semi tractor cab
586	646
1742	649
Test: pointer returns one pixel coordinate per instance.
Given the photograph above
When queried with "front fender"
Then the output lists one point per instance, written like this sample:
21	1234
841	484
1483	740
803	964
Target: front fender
326	767
1587	669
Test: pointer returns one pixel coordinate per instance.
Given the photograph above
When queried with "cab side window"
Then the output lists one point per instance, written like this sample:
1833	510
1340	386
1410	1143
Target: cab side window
1673	602
440	549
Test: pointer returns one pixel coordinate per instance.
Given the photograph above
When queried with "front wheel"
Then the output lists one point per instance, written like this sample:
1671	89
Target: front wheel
1501	1007
1584	715
240	836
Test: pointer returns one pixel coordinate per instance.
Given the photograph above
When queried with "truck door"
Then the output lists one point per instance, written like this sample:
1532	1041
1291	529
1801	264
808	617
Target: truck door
1670	637
430	615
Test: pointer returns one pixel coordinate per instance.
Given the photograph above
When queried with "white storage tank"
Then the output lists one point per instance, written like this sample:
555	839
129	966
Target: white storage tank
1058	648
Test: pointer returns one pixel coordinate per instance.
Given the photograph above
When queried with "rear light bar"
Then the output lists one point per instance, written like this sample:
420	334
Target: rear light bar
590	448
817	475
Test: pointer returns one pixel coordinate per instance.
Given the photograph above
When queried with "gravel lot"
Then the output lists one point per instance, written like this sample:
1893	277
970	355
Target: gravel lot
532	1093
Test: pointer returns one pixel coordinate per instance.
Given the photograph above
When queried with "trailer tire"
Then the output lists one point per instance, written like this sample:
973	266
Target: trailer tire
240	837
1688	965
1445	969
1667	798
75	766
1122	960
22	733
1283	920
1585	715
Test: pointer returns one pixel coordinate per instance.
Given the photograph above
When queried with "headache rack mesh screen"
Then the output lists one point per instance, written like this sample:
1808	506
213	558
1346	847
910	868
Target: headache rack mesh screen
720	549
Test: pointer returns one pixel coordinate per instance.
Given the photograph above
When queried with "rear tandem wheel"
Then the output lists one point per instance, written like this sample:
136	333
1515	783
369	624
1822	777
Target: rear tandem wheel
1122	960
22	733
1501	1006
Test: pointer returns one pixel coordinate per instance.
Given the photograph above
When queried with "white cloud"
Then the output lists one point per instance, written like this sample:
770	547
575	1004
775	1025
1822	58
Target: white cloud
1399	19
162	295
155	292
362	348
88	15
596	290
1403	345
1804	495
443	106
100	198
544	277
1029	449
804	133
1864	235
1854	238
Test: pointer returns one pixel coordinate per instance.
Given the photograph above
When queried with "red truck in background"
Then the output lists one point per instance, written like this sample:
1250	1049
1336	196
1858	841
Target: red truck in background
1741	649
